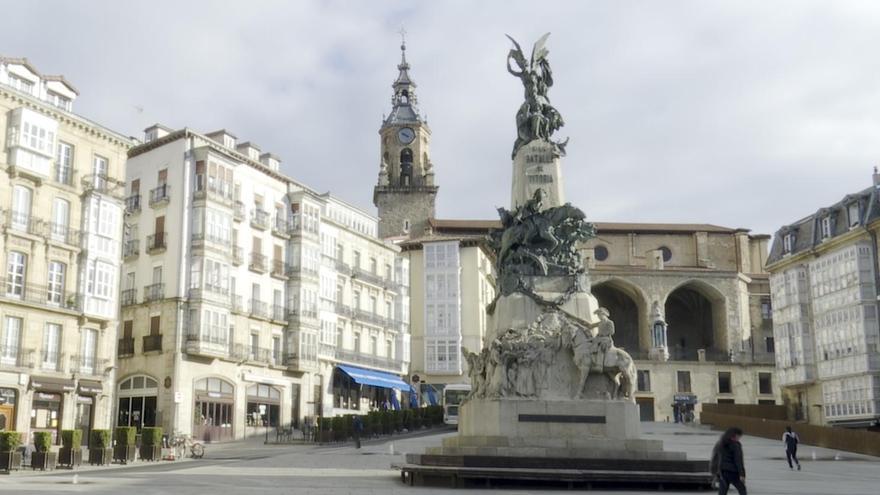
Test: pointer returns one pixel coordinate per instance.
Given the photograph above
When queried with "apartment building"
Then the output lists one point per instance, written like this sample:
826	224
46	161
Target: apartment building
231	305
61	214
824	288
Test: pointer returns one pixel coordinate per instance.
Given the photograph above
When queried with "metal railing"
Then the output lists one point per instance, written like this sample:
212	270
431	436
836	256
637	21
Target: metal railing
279	312
343	267
88	365
39	295
254	354
125	347
160	194
51	361
237	255
103	184
63	175
17	356
236	302
280	227
368	276
128	297
238	211
260	219
152	343
279	269
133	203
154	292
258	263
258	308
131	248
298	314
201	237
20	221
212	189
368	359
157	242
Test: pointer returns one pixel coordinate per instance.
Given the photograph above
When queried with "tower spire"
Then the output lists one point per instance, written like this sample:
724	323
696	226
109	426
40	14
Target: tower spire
404	101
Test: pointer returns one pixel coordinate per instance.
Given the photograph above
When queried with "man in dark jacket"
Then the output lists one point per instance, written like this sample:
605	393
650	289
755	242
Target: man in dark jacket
727	462
791	441
358	426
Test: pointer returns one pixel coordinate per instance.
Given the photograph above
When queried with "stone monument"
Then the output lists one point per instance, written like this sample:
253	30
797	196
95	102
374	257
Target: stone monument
552	398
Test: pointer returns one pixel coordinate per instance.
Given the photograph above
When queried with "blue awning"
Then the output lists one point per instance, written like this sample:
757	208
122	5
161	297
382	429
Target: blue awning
375	378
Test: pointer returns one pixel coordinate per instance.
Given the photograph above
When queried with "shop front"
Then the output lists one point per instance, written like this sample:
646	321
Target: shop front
87	394
683	407
213	410
263	405
47	405
352	384
8	401
137	399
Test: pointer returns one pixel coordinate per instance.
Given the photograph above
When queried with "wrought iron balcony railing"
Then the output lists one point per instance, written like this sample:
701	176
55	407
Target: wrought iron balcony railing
154	292
260	219
160	195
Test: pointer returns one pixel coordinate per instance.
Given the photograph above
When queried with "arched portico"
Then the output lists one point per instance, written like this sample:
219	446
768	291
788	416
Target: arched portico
628	307
695	313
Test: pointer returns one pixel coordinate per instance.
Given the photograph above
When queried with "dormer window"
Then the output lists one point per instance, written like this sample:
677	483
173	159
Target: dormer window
853	214
787	243
826	226
21	84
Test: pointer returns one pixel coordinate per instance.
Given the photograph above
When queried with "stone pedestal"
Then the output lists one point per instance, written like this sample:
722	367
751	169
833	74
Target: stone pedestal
536	165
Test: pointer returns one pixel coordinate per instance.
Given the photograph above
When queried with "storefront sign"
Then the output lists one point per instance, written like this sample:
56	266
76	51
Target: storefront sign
52	384
89	387
268	380
685	398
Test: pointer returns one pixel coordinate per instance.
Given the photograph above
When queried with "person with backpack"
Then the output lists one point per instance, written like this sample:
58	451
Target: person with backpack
791	441
727	462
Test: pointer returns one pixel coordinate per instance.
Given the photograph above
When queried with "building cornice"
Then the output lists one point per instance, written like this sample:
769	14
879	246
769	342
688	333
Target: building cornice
67	118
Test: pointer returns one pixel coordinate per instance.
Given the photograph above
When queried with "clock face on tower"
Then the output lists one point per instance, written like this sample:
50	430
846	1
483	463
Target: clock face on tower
406	135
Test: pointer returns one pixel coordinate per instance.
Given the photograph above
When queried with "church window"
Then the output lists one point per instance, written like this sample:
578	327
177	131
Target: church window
667	253
600	252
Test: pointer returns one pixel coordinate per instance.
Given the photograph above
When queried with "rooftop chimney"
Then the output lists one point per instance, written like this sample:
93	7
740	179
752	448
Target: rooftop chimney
876	178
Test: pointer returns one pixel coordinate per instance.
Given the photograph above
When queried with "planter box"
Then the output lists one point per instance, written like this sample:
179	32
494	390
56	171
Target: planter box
101	457
70	457
44	460
151	452
10	461
124	453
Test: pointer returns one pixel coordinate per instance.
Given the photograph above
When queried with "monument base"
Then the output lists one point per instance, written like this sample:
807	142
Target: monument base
572	442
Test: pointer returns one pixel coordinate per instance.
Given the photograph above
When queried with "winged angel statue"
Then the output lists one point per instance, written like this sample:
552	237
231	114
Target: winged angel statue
536	118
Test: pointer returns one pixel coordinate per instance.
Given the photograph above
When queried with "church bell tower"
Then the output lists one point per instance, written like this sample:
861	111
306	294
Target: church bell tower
405	192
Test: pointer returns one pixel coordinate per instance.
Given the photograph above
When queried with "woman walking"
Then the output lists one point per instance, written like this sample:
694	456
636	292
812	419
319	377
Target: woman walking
791	441
727	462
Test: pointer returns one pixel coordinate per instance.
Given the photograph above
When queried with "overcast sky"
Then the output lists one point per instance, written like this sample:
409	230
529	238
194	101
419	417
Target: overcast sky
742	114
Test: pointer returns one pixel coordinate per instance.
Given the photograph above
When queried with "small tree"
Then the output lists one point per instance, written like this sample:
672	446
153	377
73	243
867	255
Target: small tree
9	441
99	439
71	439
151	436
125	435
42	441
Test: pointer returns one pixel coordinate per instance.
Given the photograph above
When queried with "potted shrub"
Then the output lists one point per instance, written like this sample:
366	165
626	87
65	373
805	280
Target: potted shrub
100	452
151	443
10	457
70	454
43	457
124	449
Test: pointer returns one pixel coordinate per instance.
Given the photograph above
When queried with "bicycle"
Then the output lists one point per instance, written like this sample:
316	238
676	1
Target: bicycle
181	443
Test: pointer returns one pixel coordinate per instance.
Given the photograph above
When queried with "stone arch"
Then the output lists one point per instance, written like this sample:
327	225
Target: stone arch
628	306
696	314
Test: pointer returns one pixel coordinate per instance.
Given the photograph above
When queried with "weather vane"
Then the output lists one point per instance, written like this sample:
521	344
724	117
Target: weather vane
402	34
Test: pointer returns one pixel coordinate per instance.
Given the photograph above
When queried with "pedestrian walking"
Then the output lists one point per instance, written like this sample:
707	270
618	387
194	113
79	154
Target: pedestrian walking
358	426
727	462
791	441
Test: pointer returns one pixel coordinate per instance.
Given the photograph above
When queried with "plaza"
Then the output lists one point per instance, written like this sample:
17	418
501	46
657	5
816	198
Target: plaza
253	468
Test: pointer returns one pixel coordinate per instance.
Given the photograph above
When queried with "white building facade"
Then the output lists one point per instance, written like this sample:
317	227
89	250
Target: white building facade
230	313
824	291
61	218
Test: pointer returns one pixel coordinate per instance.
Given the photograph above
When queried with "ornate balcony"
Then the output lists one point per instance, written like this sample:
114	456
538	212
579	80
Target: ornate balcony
280	227
238	211
88	365
157	243
369	277
128	297
154	292
38	295
125	347
131	249
133	204
360	358
260	219
103	184
258	263
252	354
211	343
258	309
152	343
16	356
51	361
279	269
24	222
342	267
160	195
279	312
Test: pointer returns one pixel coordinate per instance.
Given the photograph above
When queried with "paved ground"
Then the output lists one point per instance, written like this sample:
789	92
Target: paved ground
252	468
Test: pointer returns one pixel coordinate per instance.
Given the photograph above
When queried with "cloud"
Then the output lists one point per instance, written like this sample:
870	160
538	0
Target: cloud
743	114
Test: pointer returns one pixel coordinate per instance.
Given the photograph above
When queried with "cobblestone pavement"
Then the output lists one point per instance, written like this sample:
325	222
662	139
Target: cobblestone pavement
251	468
